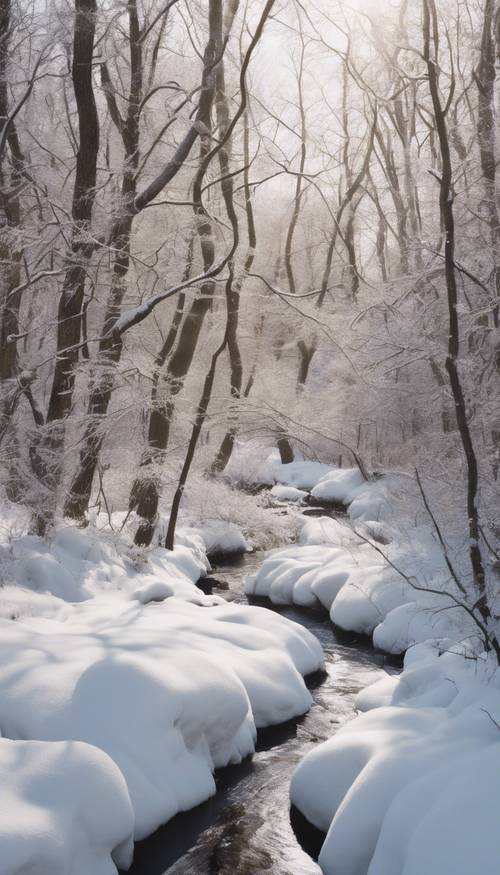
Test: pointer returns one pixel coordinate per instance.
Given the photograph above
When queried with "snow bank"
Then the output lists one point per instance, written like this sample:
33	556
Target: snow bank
338	485
170	690
369	575
325	482
77	564
302	473
288	493
220	536
252	464
116	656
64	807
350	579
406	787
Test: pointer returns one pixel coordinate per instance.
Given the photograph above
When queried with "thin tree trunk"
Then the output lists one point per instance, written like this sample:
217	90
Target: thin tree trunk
10	269
210	377
485	80
236	370
145	491
201	415
47	451
77	500
431	50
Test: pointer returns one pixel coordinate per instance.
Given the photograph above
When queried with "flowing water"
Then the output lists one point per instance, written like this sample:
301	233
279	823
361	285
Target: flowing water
245	829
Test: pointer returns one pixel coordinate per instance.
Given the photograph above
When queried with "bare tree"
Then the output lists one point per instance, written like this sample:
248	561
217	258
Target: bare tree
446	198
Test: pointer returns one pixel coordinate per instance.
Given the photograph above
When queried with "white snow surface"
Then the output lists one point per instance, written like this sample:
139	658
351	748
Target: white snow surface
288	493
369	573
220	536
117	669
257	465
339	484
169	690
406	788
64	807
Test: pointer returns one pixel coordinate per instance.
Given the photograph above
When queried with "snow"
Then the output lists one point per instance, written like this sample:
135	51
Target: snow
119	673
252	464
118	657
350	580
339	485
368	573
170	690
401	790
302	473
288	493
41	576
220	536
64	807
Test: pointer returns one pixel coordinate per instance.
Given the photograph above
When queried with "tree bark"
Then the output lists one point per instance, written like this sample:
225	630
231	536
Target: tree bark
235	364
47	451
145	492
431	53
77	500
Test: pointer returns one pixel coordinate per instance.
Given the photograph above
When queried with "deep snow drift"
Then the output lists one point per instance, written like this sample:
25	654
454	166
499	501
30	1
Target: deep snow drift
64	807
122	673
410	786
406	788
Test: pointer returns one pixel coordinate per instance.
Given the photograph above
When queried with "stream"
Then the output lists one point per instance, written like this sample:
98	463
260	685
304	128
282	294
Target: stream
245	829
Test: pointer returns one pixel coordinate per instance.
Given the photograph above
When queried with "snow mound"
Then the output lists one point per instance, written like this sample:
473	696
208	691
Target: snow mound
64	807
371	577
169	690
323	530
302	575
253	464
339	485
77	564
302	474
220	536
288	493
334	567
406	787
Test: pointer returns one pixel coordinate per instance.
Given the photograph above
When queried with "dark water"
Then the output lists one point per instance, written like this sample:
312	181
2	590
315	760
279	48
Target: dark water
245	828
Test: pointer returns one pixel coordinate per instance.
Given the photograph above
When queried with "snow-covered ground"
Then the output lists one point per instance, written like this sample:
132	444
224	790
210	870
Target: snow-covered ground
409	787
371	571
122	688
405	788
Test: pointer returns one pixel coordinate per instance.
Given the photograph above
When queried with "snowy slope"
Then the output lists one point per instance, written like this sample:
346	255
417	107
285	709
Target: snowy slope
406	788
119	668
369	572
64	807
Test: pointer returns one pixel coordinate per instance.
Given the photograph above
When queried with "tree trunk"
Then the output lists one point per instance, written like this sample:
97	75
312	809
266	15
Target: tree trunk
145	492
447	216
47	452
77	500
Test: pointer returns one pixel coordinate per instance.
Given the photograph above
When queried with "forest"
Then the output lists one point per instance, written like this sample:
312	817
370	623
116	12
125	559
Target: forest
249	437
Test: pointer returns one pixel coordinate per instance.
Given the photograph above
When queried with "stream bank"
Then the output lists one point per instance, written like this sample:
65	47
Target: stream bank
245	829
